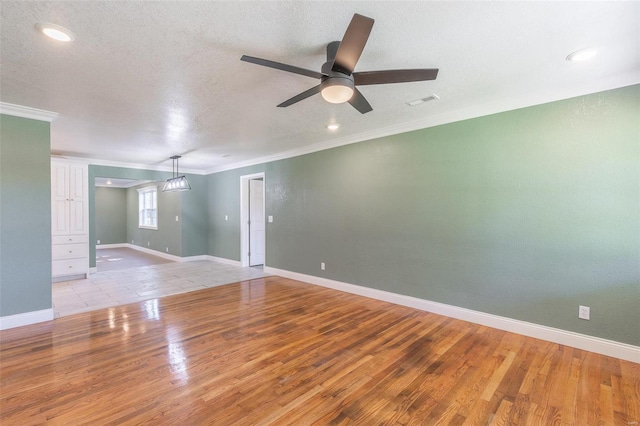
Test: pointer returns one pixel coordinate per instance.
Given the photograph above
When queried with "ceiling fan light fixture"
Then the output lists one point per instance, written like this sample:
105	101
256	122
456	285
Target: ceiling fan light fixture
337	90
338	80
337	94
56	32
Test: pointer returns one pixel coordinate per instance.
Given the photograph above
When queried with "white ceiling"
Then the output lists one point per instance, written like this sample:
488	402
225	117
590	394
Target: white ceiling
147	80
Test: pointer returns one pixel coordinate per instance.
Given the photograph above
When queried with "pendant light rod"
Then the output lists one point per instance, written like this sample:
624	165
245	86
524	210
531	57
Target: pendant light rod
174	168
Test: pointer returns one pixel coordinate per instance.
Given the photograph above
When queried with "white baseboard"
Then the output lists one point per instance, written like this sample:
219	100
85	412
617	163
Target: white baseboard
167	255
224	260
110	246
192	258
62	278
164	255
27	318
555	335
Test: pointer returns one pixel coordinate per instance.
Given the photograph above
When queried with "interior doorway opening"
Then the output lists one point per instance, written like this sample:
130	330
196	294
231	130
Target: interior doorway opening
252	220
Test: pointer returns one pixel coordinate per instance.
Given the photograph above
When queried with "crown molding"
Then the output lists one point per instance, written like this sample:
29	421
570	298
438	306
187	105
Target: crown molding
139	166
27	112
502	105
76	160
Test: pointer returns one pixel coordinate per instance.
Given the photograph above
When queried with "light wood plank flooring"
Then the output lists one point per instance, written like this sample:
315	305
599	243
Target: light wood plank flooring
277	351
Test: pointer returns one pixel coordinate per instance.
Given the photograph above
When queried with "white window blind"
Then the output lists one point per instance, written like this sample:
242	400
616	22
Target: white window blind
148	207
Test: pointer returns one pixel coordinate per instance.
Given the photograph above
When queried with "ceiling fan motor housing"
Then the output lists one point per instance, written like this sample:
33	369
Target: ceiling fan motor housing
339	83
332	48
333	78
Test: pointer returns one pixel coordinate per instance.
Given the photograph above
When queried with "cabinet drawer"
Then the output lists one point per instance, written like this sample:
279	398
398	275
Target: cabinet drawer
69	251
69	239
69	267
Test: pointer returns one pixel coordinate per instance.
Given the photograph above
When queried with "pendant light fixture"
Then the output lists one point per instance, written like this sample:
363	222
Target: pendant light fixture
176	183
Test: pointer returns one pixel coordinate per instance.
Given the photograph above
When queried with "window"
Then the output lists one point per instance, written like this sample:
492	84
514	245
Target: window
148	207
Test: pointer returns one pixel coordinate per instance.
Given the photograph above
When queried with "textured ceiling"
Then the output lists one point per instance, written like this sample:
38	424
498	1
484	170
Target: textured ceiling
147	80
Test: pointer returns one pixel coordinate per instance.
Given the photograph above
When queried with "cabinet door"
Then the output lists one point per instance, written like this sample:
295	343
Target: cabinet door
59	199
77	191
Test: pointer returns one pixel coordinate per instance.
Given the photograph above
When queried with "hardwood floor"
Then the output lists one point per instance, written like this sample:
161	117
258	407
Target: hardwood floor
277	351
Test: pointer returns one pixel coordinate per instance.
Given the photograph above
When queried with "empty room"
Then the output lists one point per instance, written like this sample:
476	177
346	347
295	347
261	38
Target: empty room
319	212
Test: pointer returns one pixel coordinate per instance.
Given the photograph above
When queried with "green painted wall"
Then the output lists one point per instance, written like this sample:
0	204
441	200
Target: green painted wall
525	214
25	215
111	215
169	232
195	217
224	199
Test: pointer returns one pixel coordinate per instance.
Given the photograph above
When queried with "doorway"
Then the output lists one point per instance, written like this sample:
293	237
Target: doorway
115	207
252	220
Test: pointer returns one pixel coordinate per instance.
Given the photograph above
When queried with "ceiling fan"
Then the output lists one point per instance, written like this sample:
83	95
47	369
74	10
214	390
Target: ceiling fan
337	79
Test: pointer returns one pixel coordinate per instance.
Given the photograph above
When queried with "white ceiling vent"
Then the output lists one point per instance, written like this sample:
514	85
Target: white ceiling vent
415	102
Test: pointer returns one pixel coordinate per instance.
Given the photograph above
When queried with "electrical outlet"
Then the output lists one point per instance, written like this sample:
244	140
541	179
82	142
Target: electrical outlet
226	217
148	244
167	250
98	241
584	312
177	219
322	266
131	241
270	219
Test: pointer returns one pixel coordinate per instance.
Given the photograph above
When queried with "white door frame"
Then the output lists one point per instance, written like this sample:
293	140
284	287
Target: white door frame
244	215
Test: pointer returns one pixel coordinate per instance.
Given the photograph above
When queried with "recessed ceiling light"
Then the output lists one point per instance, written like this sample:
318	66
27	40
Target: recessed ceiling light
582	54
333	126
56	32
415	102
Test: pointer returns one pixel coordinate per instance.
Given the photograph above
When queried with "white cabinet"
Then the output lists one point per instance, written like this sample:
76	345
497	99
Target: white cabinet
69	214
68	198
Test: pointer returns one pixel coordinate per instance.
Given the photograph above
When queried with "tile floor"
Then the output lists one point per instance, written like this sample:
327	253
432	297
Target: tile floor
110	259
120	287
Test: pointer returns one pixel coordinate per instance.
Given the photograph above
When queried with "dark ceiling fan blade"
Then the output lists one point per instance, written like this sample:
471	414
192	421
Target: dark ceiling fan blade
352	44
394	76
301	96
282	67
359	102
